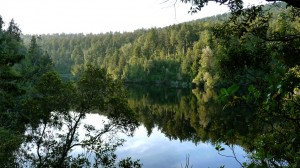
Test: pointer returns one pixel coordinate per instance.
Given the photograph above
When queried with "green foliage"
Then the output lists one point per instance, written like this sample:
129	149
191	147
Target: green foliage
260	66
33	118
252	57
235	6
229	93
219	148
10	54
36	63
56	105
128	163
98	91
148	56
257	64
9	142
207	73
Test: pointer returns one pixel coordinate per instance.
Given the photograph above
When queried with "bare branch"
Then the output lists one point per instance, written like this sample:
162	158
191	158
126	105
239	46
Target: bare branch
172	4
231	147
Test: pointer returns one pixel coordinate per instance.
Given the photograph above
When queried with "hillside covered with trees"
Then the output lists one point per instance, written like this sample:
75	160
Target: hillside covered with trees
176	55
167	55
246	62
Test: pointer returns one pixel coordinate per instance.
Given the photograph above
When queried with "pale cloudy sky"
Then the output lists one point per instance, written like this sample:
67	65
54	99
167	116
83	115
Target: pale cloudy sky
97	16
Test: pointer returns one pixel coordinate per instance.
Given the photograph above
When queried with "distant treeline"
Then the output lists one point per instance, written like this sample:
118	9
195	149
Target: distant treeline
167	55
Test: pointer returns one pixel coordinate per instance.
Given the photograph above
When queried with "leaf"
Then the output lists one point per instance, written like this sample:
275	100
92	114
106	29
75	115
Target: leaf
223	92
233	88
251	89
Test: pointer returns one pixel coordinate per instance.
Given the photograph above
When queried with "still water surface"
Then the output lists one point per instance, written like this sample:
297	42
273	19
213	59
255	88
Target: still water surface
177	128
173	127
158	151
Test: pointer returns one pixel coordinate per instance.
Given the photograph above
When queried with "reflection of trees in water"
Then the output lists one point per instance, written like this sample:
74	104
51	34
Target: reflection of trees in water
183	117
57	110
66	141
200	117
155	94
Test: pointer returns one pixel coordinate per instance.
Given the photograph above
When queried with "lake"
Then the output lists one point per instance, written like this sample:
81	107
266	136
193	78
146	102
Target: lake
157	144
157	150
178	128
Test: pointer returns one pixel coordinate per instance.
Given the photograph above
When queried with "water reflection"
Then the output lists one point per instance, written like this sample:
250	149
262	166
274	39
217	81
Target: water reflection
180	122
190	115
87	141
157	150
154	150
176	124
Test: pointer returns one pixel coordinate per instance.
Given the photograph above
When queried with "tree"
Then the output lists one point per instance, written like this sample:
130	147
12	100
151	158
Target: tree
77	56
261	63
36	63
11	53
34	99
63	106
207	72
234	5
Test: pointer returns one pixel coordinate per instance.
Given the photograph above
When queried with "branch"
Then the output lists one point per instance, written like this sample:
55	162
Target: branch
93	139
294	3
70	138
234	155
39	142
172	4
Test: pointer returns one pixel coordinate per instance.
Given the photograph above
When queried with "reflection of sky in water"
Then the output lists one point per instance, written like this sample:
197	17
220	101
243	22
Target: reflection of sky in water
157	151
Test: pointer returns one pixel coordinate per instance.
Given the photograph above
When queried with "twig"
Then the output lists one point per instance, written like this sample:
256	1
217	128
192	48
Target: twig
174	6
234	155
187	162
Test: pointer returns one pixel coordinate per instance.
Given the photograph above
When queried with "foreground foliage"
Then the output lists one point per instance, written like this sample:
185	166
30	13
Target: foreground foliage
40	115
61	109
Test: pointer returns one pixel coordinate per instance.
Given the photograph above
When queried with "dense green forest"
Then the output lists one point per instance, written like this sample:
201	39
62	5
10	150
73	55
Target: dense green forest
35	101
245	65
167	55
176	55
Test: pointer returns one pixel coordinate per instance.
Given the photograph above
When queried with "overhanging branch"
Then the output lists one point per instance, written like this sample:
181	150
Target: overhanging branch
294	3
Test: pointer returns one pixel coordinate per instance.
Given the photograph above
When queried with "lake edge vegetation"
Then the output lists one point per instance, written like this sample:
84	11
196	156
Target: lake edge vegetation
249	58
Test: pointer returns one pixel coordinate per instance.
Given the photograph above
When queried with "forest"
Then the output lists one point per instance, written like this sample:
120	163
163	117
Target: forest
167	55
243	64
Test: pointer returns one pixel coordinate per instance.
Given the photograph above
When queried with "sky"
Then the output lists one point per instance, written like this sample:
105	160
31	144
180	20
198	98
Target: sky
98	16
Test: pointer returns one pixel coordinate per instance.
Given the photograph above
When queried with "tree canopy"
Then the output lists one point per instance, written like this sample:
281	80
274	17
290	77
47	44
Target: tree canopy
234	5
35	101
